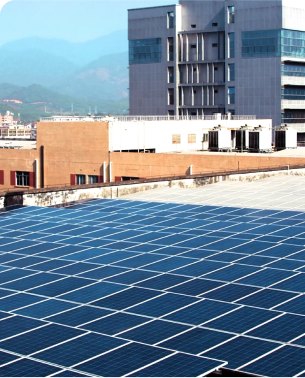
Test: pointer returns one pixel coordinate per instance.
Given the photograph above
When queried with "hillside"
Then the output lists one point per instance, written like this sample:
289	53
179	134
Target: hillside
93	73
33	67
103	79
38	101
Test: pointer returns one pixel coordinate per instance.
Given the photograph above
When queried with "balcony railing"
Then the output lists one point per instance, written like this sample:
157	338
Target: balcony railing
147	118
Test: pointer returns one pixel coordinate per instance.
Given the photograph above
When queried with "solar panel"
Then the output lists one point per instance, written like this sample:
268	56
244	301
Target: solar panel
120	287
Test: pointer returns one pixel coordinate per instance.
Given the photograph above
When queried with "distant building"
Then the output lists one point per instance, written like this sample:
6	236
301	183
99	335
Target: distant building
205	56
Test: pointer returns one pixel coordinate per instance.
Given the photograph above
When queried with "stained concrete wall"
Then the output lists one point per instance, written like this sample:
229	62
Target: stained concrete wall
40	197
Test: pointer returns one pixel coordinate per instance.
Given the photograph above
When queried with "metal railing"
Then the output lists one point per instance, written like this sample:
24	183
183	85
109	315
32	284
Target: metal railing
146	118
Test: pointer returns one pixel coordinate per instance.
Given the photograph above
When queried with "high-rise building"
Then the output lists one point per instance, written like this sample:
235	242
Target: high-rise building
215	56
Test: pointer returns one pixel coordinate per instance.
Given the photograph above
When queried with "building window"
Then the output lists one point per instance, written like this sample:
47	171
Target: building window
145	51
80	179
170	20
231	45
176	139
293	70
214	44
214	24
193	46
170	74
193	26
170	49
293	43
232	111
293	94
231	72
231	95
191	138
92	179
231	14
22	178
216	91
263	43
170	96
170	113
205	137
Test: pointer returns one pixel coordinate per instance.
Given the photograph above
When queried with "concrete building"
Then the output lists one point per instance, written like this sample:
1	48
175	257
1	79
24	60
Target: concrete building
204	57
77	153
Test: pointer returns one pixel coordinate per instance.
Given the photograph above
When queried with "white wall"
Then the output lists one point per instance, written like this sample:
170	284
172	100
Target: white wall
157	135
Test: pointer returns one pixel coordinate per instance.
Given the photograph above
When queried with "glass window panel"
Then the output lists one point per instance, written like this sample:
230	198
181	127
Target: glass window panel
145	51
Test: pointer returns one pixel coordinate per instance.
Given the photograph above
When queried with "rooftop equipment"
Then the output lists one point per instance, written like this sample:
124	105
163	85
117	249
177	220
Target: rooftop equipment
219	139
260	140
285	137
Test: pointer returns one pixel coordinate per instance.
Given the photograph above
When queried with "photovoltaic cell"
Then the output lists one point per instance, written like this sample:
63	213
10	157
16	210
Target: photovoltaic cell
27	368
80	349
161	291
179	365
240	350
40	338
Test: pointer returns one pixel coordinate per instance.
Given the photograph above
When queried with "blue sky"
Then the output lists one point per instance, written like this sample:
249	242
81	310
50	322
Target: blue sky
75	21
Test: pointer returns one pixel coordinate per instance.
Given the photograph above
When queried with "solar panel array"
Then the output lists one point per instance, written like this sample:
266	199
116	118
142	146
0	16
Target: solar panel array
135	288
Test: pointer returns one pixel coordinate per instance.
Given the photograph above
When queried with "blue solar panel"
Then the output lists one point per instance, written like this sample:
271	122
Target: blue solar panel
242	320
93	292
285	362
154	332
17	324
79	349
196	340
201	312
241	350
126	298
178	365
41	338
27	368
180	278
45	308
285	328
267	298
18	300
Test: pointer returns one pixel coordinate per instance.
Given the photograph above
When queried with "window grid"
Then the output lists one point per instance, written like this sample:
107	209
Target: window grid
80	179
231	95
145	51
292	70
22	178
275	42
191	138
231	14
231	45
231	72
176	139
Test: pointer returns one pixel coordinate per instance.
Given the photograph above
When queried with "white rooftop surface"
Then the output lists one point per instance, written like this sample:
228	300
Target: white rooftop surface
277	192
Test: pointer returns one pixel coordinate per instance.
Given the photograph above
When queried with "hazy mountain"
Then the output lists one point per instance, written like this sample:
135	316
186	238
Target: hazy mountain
80	53
38	101
103	79
93	71
31	66
6	89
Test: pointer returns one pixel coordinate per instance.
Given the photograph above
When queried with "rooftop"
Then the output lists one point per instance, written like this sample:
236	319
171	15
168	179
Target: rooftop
166	282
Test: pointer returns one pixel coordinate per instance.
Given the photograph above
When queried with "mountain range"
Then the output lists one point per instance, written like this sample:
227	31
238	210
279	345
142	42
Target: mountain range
95	72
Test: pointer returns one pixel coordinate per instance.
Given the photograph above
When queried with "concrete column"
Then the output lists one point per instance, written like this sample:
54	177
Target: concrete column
36	174
104	171
191	170
110	171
